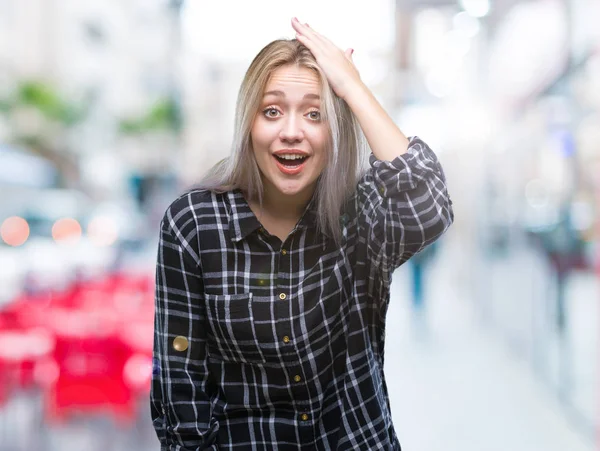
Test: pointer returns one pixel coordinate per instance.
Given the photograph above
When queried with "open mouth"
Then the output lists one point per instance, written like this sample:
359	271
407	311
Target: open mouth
291	165
289	162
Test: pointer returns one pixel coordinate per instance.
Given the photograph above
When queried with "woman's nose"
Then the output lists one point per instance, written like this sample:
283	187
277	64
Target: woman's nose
291	129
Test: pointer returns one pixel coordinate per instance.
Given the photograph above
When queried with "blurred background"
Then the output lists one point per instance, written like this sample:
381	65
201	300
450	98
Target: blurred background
110	109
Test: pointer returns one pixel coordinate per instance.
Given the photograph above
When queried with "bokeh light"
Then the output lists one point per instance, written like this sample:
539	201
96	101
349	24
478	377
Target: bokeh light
102	231
66	230
14	231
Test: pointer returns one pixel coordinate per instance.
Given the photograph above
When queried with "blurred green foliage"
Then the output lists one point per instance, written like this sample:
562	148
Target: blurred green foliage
164	115
46	99
59	115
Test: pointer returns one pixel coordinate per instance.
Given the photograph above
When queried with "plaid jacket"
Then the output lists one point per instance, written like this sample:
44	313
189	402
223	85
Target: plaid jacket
261	344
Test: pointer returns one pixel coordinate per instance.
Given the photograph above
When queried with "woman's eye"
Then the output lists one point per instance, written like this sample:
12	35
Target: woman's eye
270	112
315	115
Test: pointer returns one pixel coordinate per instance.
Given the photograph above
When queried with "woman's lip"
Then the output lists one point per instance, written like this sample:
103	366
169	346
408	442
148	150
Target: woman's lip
290	171
291	152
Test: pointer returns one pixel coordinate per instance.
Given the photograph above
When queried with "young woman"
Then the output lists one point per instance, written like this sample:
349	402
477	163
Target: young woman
273	276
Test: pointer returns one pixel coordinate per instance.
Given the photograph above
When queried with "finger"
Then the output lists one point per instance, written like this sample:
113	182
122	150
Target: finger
348	54
306	30
301	28
312	43
318	35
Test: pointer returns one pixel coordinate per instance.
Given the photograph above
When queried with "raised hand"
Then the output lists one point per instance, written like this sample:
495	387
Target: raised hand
337	65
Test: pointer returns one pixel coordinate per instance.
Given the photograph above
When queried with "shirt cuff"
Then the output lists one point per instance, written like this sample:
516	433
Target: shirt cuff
406	171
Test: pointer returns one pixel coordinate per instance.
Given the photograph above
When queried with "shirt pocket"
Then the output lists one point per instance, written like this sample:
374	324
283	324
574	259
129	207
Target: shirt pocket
231	334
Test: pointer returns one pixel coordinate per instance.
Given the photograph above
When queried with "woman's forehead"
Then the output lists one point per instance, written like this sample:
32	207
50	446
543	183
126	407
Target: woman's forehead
293	80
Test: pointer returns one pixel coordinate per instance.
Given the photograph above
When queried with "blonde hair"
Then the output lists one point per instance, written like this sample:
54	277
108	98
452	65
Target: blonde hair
347	150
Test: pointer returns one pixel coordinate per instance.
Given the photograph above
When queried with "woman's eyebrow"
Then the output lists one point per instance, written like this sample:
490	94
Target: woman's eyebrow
282	94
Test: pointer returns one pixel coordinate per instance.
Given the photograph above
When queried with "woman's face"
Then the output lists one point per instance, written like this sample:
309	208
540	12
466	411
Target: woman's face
288	136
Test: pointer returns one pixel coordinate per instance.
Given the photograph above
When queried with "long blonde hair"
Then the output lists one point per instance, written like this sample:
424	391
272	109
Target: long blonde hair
347	150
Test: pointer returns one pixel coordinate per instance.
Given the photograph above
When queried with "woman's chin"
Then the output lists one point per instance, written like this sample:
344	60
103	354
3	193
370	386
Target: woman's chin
290	192
292	189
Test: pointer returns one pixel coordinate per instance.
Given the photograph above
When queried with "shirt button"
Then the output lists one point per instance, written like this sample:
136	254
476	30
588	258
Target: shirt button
286	339
297	378
283	252
282	296
180	343
304	417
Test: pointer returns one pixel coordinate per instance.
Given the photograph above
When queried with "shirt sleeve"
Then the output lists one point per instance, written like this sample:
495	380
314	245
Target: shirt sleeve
403	205
182	395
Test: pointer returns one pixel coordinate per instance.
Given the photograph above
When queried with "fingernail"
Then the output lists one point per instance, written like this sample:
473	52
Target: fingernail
295	18
351	51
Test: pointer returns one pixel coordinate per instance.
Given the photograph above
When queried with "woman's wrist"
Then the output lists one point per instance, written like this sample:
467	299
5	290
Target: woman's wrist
356	93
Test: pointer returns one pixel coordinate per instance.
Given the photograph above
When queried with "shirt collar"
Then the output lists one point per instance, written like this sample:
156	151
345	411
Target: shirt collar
309	217
243	221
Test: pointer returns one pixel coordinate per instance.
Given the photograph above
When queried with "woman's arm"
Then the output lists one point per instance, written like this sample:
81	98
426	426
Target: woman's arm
383	135
181	395
403	205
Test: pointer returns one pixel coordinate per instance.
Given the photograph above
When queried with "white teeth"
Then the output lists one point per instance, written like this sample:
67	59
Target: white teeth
291	156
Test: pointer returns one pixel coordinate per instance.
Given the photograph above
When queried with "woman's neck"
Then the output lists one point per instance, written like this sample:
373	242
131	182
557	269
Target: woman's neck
279	206
285	207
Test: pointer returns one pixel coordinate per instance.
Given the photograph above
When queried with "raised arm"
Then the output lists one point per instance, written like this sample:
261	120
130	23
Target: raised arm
403	205
403	201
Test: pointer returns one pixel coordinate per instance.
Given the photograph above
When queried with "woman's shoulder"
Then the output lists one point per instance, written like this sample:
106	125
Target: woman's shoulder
194	203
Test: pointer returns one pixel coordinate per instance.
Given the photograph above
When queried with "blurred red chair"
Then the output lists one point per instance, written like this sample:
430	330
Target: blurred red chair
90	362
88	346
21	350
